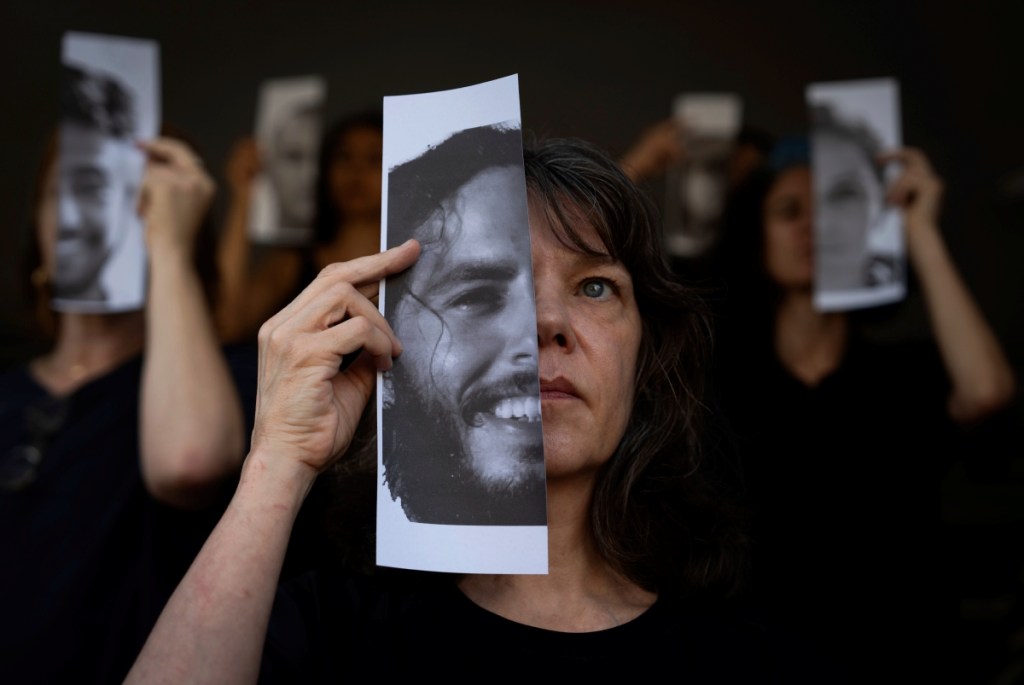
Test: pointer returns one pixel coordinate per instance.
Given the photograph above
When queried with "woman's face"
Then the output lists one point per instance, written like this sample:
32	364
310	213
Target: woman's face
355	173
848	196
788	230
588	333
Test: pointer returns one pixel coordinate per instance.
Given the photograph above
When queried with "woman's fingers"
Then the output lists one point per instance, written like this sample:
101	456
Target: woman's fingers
370	334
323	296
172	152
176	193
917	189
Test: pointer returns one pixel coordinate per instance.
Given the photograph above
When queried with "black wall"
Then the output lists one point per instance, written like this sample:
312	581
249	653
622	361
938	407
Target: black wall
596	69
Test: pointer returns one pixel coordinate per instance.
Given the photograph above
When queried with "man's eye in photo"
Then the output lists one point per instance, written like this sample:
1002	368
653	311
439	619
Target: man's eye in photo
90	191
846	191
480	299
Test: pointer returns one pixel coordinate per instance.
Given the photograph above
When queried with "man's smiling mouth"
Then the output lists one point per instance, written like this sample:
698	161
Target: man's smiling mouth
521	409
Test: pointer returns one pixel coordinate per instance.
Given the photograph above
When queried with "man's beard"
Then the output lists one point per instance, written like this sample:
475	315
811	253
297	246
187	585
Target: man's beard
430	467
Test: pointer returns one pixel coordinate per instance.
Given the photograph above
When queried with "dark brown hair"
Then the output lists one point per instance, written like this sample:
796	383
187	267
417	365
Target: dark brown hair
327	218
659	514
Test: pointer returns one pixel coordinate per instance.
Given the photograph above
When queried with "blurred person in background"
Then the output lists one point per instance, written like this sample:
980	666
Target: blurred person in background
346	224
119	442
844	440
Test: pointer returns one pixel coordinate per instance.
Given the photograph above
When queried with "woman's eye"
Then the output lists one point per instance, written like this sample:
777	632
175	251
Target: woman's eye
595	288
787	212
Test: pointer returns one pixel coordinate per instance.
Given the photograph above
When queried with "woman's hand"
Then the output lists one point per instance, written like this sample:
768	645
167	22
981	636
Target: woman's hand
176	195
918	190
306	409
658	148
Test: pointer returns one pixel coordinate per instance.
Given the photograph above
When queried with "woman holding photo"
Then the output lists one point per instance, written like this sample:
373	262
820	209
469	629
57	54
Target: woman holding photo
645	548
844	439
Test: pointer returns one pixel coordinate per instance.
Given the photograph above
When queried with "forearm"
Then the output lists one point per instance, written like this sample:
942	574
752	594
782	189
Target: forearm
192	429
213	627
981	376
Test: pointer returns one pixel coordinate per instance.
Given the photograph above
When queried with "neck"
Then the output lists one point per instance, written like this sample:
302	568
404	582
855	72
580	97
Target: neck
580	592
87	346
809	343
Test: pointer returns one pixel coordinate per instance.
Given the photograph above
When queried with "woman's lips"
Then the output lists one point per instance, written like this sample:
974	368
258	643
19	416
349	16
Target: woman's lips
557	388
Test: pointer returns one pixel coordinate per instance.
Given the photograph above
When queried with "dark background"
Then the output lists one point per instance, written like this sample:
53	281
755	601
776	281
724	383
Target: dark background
603	71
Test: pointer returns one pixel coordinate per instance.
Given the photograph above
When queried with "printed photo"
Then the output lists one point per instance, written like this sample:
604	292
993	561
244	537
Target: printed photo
108	100
696	188
859	251
460	436
288	129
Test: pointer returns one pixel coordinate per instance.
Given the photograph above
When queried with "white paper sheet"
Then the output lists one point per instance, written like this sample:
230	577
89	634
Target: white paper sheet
110	98
860	258
288	130
455	399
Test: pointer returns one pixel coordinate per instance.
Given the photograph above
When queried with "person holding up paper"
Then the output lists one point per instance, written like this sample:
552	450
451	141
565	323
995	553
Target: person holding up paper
844	439
643	543
345	225
117	443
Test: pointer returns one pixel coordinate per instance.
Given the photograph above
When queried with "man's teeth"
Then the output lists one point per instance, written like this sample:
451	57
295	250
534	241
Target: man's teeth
519	408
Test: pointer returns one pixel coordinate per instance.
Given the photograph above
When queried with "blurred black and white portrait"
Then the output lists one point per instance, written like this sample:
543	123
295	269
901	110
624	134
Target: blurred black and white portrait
100	258
858	237
288	135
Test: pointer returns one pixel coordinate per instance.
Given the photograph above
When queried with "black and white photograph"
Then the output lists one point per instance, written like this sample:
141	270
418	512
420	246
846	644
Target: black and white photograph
461	445
696	187
288	130
859	251
109	99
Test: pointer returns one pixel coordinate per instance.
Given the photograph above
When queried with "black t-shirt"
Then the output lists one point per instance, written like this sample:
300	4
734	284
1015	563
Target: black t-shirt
89	558
844	485
327	626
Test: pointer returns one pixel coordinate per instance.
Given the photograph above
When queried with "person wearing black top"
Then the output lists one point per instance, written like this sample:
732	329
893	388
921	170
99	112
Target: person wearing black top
645	547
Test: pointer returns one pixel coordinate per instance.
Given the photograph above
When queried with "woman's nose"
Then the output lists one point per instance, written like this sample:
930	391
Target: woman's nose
553	321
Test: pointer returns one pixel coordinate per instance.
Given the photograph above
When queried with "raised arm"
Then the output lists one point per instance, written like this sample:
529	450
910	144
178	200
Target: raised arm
982	378
192	429
247	294
657	148
213	628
